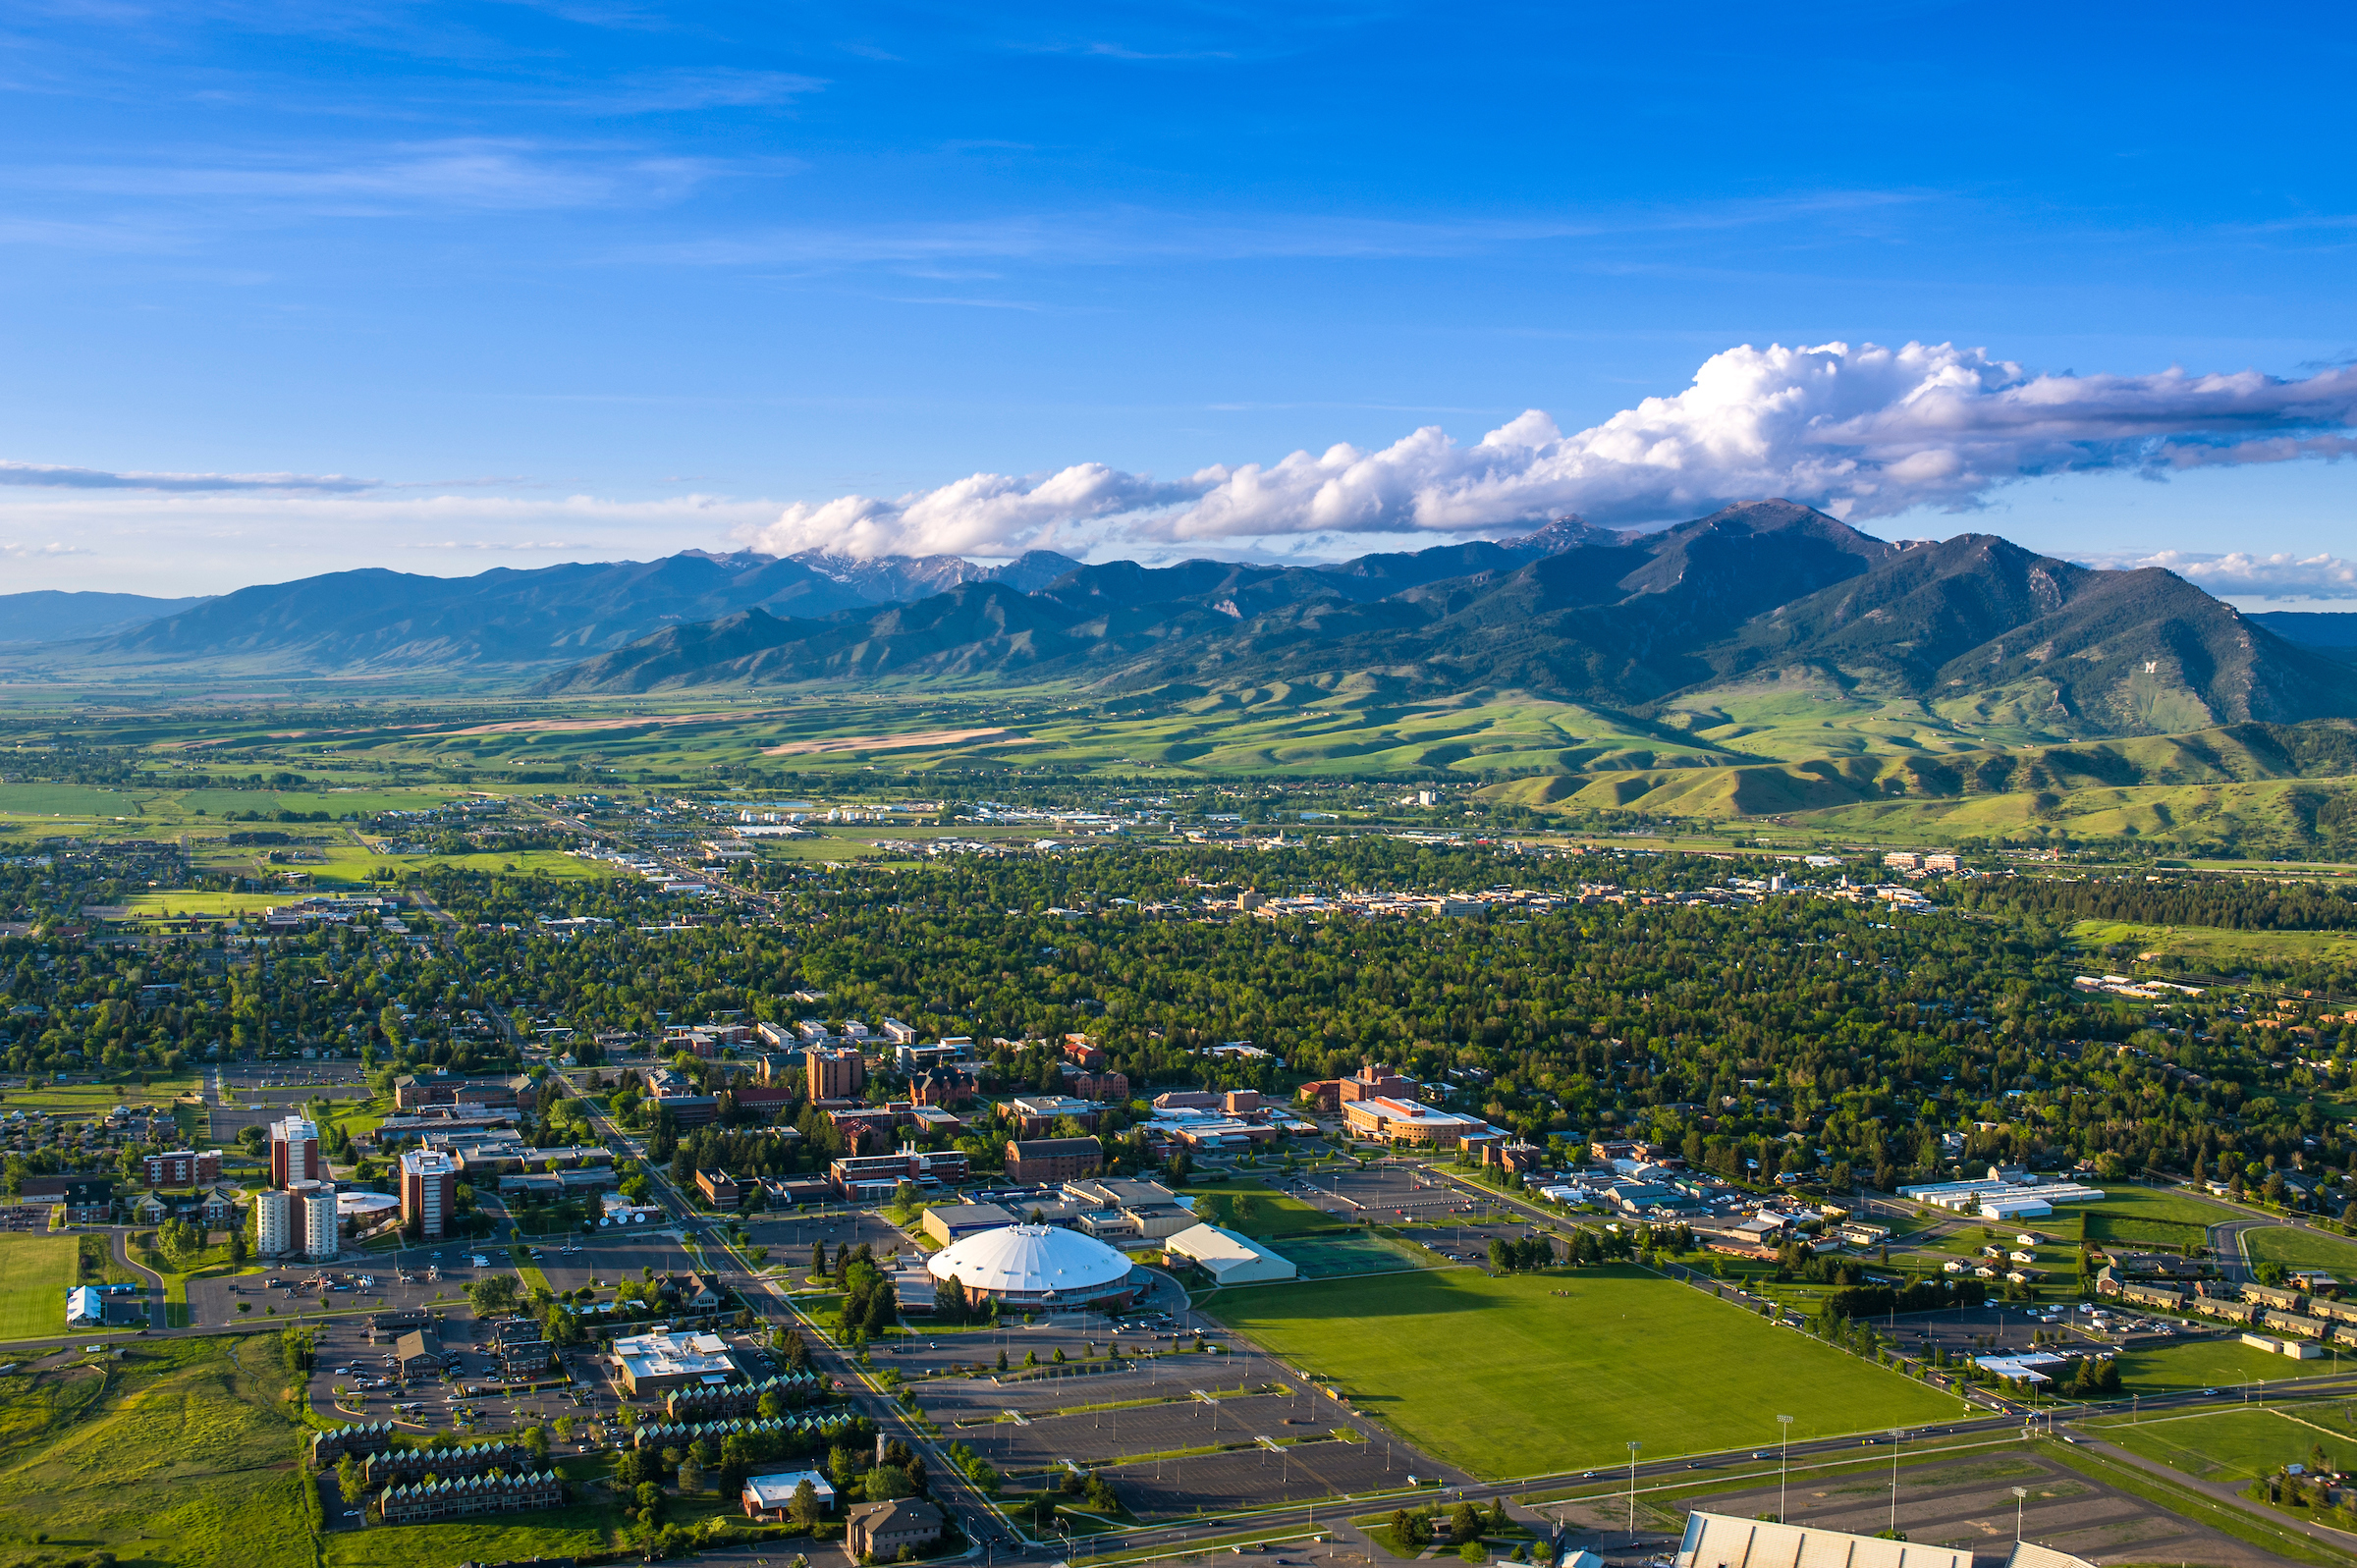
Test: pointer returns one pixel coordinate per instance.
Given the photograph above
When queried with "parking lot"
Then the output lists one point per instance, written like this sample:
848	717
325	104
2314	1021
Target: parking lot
1274	1438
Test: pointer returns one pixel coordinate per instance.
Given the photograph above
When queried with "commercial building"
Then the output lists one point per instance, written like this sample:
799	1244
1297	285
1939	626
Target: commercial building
864	1177
652	1363
768	1497
1722	1540
502	1090
835	1073
184	1167
947	1222
1036	1115
429	1192
1035	1266
1121	1210
294	1153
878	1532
1051	1162
1229	1258
721	1190
1412	1122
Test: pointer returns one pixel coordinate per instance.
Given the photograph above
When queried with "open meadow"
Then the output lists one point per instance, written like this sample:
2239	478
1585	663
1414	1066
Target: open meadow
1559	1371
36	1272
178	1453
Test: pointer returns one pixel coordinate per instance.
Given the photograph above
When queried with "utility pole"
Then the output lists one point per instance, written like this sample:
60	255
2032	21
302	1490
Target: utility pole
1632	1492
2019	1494
1783	1469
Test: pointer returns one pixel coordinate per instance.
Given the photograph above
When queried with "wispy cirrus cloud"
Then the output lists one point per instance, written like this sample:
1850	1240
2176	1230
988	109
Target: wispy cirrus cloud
1862	432
52	476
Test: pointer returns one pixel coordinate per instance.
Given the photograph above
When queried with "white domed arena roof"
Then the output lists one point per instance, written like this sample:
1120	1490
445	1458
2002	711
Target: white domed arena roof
1032	1260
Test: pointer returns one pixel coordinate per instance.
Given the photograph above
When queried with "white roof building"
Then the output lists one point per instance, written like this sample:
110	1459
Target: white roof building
765	1493
1034	1264
84	1305
1229	1258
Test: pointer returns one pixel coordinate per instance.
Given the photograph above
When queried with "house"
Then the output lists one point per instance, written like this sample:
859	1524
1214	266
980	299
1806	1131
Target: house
879	1530
697	1293
1051	1162
218	1210
149	1211
475	1494
768	1497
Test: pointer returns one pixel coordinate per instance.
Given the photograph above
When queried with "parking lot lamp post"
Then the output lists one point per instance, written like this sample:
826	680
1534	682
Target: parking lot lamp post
2020	1493
1632	1490
1783	1468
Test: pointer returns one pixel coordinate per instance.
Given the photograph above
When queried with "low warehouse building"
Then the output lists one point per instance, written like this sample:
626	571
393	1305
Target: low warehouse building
1229	1258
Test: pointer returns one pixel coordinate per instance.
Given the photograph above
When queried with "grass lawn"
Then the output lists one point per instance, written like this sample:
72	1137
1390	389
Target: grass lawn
36	1272
2303	1249
2238	1444
1354	1253
83	1099
1272	1215
1584	1361
180	1453
2204	1363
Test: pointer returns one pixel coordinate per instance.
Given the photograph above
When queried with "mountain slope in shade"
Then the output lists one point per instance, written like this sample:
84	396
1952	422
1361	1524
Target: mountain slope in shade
1762	591
48	614
2330	633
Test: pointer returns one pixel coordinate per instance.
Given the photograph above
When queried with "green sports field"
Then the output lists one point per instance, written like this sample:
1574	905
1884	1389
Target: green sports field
1535	1373
2204	1363
36	1272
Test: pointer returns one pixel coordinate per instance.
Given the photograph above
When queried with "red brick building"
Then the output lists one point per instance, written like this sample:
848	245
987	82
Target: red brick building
1048	1161
184	1167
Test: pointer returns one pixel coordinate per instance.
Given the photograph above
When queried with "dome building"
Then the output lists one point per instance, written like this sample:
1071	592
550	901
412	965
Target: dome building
1035	1266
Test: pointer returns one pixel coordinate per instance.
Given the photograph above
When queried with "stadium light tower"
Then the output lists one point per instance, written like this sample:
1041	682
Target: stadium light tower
2020	1494
1898	1439
1632	1490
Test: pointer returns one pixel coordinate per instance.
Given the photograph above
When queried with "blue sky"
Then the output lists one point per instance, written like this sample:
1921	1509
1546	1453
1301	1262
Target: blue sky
502	285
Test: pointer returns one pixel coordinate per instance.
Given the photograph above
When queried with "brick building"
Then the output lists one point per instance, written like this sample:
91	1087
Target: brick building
1051	1162
879	1530
295	1153
184	1167
475	1494
429	1192
835	1073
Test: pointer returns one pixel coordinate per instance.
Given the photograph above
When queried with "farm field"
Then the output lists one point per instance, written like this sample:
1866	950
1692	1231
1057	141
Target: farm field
2235	1445
177	1454
36	1272
1585	1361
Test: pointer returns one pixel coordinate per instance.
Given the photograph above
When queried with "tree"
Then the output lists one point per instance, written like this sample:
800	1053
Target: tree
883	1482
350	1485
804	1507
691	1475
1464	1522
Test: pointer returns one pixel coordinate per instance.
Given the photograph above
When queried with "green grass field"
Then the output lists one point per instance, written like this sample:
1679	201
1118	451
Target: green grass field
180	1453
2204	1363
1532	1374
1318	1257
2240	1444
36	1272
2302	1248
1273	1215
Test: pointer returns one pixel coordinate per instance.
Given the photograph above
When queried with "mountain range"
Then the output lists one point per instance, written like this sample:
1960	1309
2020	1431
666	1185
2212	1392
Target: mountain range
1760	593
1763	595
374	622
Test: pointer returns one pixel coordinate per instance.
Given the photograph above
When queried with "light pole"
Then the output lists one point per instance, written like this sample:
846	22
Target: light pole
2019	1494
1897	1440
1783	1468
1632	1492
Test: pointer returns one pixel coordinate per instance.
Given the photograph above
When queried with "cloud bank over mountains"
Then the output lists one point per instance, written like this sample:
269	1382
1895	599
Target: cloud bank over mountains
1862	432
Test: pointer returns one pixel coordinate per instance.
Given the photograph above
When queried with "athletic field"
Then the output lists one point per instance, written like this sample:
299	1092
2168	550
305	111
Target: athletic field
1534	1374
36	1272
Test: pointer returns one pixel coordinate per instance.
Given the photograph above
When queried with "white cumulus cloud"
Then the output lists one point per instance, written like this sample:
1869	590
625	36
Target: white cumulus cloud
1862	432
2243	575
